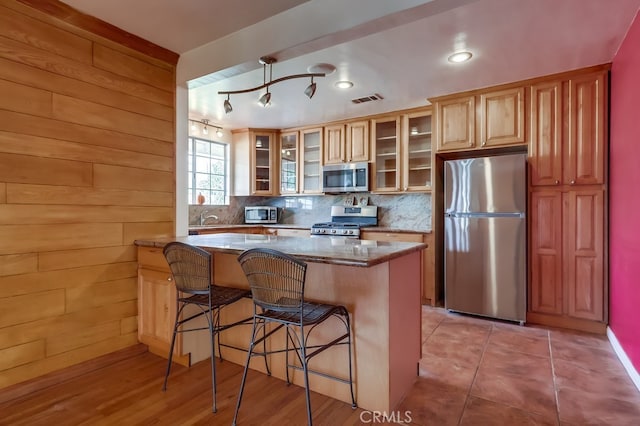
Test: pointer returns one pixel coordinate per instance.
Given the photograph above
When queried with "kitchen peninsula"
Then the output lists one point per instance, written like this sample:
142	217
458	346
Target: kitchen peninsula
378	282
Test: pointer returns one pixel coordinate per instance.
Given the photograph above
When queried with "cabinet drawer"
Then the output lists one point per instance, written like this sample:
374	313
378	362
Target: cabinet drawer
392	236
293	232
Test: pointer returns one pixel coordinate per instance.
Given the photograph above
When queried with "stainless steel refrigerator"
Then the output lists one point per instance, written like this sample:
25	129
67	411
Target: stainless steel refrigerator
485	236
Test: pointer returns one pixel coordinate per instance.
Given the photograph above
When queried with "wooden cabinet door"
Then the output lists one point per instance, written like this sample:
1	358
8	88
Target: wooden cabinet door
385	140
545	252
585	150
502	118
545	147
311	161
288	155
156	310
583	257
417	152
456	124
357	143
262	170
334	146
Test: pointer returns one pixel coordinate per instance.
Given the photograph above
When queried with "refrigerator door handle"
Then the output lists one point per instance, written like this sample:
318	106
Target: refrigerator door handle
512	214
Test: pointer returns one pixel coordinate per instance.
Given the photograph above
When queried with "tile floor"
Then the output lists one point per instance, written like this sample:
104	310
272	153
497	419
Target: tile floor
477	371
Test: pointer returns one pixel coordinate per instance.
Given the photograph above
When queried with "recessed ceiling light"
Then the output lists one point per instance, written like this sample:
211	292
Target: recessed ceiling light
460	57
344	84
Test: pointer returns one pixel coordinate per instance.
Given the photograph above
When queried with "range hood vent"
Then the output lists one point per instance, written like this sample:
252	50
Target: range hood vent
374	97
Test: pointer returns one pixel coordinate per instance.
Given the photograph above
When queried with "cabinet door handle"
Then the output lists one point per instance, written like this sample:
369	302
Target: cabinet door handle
170	278
484	143
573	182
557	182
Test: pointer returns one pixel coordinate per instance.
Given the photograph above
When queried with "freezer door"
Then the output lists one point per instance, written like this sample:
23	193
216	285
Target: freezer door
485	266
494	184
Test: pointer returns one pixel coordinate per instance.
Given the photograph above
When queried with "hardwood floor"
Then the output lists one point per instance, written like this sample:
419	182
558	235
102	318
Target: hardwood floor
473	372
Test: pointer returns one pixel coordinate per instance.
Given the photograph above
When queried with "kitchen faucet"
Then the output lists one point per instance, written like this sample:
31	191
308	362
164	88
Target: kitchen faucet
204	218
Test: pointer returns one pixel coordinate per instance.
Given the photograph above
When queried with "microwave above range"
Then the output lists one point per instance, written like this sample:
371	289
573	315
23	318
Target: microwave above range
348	177
260	214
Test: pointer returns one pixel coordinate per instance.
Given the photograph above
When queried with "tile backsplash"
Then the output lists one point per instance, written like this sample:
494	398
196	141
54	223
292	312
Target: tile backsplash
406	211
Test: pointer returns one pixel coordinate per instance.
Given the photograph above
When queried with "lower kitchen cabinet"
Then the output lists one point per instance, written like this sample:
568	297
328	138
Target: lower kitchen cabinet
157	305
567	280
430	295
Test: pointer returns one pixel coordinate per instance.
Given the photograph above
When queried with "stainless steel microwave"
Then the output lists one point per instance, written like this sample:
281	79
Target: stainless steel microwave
260	214
347	177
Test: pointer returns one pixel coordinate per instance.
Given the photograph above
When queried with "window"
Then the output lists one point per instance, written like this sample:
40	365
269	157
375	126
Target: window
208	171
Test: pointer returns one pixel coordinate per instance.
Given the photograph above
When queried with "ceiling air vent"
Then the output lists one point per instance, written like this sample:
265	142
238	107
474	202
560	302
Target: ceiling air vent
374	97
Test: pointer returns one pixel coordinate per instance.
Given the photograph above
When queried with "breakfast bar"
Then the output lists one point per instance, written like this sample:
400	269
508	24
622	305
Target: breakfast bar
378	282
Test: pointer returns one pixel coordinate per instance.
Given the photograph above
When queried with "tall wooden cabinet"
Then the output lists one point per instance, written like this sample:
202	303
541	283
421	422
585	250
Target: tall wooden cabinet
567	169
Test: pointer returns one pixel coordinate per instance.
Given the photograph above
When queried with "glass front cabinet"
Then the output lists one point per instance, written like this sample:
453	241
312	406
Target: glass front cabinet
310	161
402	153
385	134
417	174
289	163
262	173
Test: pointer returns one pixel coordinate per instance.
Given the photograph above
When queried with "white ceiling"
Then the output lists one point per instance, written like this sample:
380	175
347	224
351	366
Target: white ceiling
397	49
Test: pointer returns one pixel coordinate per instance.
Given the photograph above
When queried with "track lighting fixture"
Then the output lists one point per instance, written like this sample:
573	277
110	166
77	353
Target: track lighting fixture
268	61
310	90
205	127
227	105
265	99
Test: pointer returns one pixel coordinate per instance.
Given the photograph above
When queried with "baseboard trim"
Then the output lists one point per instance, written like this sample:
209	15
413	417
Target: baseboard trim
33	385
624	359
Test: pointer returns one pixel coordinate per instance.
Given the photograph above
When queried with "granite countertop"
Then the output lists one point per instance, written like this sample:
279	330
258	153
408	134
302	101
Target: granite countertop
339	251
296	226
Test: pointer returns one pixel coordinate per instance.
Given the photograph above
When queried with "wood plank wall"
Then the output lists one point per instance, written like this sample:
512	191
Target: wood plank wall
87	142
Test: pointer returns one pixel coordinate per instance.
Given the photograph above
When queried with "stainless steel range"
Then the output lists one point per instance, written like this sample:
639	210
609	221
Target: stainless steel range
346	221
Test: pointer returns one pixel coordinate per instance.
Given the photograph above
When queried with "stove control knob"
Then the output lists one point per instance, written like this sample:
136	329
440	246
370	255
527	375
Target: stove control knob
350	232
333	231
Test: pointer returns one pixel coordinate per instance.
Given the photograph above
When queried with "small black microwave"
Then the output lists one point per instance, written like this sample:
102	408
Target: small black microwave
260	214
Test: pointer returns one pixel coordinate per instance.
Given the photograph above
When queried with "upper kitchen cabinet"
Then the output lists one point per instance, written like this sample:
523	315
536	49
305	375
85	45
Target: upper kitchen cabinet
567	145
311	161
456	123
502	118
346	143
385	143
402	152
289	163
357	141
417	151
254	164
334	145
495	118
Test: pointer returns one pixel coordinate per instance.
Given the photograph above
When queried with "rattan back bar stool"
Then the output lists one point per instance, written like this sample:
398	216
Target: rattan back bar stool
277	283
191	268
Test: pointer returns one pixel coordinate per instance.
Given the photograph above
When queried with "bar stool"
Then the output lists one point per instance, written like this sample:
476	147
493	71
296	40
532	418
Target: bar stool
192	273
277	283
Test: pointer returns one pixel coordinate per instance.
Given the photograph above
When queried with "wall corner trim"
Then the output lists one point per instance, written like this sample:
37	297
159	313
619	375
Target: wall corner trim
622	356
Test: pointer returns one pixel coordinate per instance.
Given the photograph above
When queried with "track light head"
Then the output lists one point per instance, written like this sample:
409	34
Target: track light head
311	89
219	133
265	99
227	105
